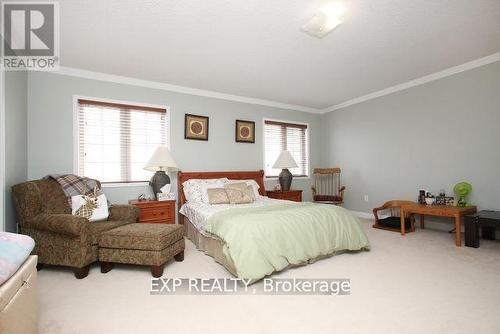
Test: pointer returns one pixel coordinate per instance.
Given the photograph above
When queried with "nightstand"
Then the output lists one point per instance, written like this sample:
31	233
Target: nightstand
159	212
290	195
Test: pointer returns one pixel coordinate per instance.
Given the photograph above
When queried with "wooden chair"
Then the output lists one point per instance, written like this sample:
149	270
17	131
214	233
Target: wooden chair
327	189
393	222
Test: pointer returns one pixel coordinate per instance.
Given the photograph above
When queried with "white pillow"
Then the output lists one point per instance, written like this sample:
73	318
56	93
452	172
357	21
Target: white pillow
195	189
100	213
251	182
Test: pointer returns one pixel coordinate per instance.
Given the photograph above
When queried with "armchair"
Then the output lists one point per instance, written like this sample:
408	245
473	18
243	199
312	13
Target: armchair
327	188
60	238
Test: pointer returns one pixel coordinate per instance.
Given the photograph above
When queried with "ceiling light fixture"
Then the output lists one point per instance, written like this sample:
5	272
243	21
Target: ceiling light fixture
327	19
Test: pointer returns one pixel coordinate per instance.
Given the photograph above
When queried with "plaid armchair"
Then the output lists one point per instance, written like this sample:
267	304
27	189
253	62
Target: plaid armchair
61	238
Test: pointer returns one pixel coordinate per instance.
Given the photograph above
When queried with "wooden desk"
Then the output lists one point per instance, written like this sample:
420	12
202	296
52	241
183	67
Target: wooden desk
440	211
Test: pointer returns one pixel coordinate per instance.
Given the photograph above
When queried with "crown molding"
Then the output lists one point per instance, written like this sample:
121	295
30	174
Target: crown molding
425	79
75	72
70	71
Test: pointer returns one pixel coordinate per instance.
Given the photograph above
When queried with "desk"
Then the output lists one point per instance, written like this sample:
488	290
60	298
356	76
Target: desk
440	211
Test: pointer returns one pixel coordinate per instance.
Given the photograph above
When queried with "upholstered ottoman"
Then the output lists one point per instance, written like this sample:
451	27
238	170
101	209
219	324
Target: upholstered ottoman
142	244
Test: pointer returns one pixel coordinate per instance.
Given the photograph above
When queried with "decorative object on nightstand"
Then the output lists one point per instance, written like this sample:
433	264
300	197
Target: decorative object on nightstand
289	195
160	163
285	161
165	196
157	212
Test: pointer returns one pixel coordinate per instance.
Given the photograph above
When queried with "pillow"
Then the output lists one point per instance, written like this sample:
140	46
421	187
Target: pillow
217	196
250	182
100	212
239	193
195	189
216	184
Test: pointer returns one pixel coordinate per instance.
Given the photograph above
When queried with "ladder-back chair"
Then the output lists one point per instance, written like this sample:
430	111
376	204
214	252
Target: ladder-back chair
393	222
327	189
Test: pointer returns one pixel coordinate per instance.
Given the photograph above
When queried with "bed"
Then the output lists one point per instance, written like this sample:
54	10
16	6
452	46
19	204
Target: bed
254	240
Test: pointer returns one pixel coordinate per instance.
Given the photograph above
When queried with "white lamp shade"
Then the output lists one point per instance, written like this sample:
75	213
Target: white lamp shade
285	160
161	160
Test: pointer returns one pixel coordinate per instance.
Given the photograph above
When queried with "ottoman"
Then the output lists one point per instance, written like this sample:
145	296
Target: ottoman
142	244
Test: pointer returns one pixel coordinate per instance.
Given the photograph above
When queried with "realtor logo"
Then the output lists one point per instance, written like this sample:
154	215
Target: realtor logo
30	32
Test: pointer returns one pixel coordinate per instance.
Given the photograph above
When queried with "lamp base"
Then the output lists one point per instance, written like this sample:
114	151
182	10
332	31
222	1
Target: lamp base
158	181
285	179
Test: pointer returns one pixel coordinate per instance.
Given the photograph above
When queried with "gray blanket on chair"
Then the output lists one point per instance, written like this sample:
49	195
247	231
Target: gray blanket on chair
74	185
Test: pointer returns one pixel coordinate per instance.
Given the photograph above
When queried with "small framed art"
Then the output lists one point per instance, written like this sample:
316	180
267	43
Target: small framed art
195	127
245	131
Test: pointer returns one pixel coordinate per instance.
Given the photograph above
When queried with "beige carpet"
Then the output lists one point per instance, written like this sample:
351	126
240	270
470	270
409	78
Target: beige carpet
420	283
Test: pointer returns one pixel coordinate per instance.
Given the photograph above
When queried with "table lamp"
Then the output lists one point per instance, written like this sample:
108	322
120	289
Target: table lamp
285	161
160	162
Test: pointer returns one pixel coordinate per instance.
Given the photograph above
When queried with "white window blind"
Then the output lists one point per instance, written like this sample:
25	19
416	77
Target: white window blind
279	136
116	140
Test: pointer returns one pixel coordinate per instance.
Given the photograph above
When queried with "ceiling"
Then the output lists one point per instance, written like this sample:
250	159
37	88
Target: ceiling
254	48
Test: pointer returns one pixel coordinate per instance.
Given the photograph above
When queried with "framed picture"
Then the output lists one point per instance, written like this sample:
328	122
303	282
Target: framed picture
195	127
245	131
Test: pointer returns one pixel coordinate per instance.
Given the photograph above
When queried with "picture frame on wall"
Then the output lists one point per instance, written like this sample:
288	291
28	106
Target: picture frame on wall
196	127
245	131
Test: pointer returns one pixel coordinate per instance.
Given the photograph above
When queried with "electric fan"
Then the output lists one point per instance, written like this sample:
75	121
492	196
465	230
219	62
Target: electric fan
462	189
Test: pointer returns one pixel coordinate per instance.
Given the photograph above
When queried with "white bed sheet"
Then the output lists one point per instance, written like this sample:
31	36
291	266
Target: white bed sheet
198	213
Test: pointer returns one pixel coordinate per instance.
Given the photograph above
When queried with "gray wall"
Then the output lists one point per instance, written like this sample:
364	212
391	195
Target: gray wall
15	139
426	137
50	119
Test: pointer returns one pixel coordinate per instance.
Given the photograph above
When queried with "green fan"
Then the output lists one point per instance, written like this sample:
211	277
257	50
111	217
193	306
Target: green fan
462	189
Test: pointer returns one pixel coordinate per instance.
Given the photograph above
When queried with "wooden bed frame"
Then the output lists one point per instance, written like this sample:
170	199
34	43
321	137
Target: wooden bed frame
182	177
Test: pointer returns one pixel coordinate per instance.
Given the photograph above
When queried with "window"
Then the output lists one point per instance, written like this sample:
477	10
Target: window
279	136
116	140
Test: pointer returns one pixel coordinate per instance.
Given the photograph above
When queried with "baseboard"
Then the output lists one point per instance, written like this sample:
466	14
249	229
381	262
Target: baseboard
361	214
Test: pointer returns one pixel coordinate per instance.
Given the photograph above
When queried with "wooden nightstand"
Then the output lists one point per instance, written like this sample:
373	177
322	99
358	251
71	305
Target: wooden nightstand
290	195
160	212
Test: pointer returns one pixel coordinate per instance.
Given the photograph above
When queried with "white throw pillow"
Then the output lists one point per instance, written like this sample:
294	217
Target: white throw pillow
100	213
251	182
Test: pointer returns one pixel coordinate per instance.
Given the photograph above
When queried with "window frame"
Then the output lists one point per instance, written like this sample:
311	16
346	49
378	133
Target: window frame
308	147
76	137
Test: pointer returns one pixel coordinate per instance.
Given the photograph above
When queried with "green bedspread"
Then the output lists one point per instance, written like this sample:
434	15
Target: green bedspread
263	240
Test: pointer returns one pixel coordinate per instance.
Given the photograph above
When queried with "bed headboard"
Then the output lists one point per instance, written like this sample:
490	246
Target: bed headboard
235	175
